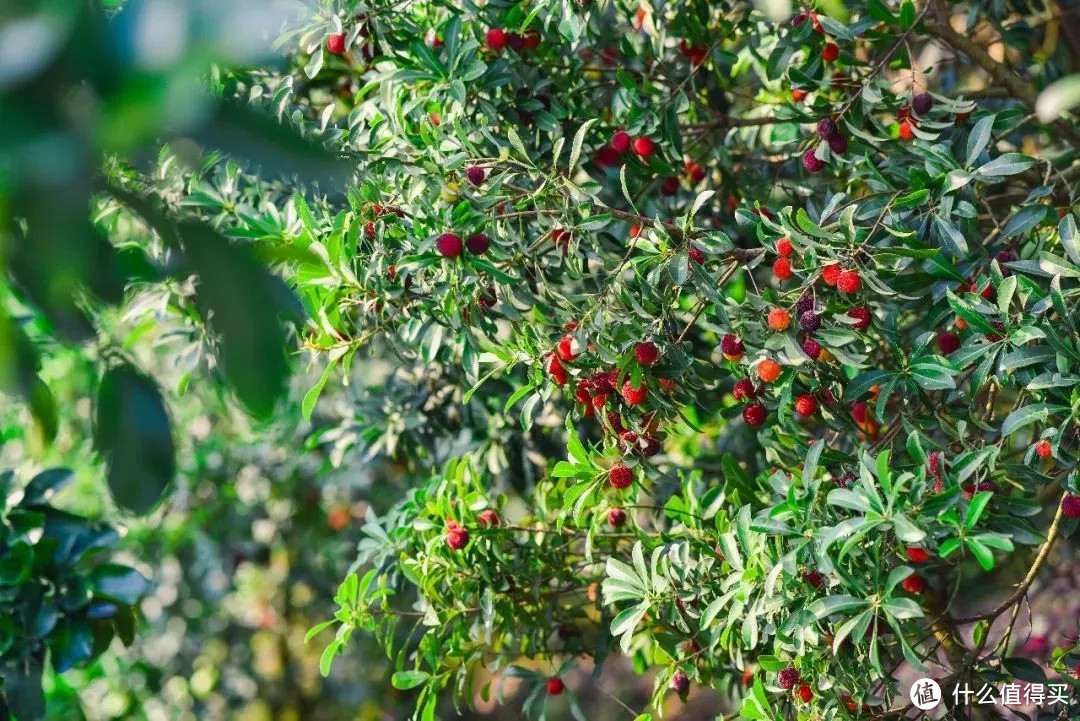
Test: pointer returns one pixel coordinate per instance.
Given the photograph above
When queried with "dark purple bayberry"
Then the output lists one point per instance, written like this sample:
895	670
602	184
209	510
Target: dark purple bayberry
787	678
922	103
809	321
803	304
838	144
475	174
478	244
680	683
826	128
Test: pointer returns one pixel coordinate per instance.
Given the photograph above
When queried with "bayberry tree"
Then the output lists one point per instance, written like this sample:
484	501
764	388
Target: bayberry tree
736	339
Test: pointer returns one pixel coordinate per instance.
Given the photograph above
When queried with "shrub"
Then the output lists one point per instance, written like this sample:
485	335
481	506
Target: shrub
854	287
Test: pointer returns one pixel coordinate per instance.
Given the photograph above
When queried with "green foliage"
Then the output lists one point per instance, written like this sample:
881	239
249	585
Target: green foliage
60	595
821	462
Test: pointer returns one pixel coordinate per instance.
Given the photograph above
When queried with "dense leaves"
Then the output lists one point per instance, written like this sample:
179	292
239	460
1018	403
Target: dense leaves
739	341
60	597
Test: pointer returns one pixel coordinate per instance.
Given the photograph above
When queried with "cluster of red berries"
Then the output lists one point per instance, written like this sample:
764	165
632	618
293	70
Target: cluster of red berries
621	143
790	680
496	39
450	245
457	535
829	131
921	105
846	281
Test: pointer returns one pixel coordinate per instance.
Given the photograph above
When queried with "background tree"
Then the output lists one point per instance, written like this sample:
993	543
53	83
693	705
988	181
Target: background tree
734	340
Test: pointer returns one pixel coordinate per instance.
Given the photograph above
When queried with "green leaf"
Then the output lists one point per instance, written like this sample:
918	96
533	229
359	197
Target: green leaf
245	305
835	604
1025	669
579	138
981	552
978	138
1023	221
133	433
1003	165
120	583
976	507
405	680
1024	416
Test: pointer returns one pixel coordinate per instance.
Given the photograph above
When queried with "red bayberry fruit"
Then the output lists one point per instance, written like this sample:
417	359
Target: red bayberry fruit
830	52
515	41
561	236
848	281
335	44
812	162
826	128
784	248
830	274
805	405
646	353
695	171
914	583
567	348
616	517
457	537
861	316
917	555
732	347
680	683
478	244
787	678
556	370
781	269
947	342
532	38
669	185
814	578
488	518
495	39
743	390
811	348
448	245
906	130
858	412
475	174
555	686
696	256
768	370
1070	506
634	396
838	144
805	693
1043	449
620	141
798	94
779	319
644	147
754	414
620	476
922	103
